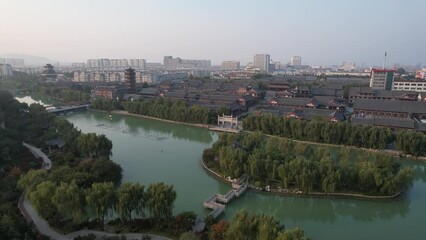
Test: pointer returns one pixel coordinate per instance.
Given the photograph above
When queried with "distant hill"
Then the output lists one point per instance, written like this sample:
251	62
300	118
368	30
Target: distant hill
31	60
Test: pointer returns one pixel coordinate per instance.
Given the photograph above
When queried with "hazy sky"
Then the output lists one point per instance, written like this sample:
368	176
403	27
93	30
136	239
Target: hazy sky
321	31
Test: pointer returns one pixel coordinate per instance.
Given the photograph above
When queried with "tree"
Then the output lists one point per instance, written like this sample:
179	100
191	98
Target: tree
101	198
218	230
292	234
31	179
69	199
400	71
41	199
160	200
187	236
131	198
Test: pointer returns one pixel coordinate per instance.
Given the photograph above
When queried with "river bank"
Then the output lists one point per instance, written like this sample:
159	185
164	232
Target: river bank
299	193
394	153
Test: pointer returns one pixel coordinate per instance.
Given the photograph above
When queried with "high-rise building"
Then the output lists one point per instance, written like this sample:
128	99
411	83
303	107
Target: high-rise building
381	78
230	65
170	62
262	61
116	63
13	62
6	70
296	61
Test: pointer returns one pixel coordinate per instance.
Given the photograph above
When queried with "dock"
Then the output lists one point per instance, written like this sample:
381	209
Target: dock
217	201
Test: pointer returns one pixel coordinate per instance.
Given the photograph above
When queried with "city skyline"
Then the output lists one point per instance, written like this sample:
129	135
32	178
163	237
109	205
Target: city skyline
322	33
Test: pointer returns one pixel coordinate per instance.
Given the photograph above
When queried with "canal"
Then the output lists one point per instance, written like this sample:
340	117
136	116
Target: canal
151	151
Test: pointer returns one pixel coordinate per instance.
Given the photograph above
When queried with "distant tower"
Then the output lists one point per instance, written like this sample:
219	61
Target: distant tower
48	73
130	77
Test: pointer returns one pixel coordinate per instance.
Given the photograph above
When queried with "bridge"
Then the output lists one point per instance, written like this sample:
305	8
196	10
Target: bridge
217	201
68	109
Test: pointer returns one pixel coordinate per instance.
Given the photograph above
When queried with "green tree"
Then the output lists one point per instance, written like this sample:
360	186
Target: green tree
101	198
41	199
69	200
131	198
292	234
31	179
160	200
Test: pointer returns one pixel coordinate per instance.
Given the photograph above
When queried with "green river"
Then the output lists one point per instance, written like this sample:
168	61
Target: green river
151	151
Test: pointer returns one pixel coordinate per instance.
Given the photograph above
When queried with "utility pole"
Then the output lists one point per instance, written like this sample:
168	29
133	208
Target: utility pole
384	60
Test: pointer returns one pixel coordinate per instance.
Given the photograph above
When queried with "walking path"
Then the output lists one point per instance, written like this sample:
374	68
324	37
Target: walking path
43	227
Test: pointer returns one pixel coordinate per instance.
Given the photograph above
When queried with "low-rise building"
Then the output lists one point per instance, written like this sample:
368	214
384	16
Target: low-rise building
390	108
110	92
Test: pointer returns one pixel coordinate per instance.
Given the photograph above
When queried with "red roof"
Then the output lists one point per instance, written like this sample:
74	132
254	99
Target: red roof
382	70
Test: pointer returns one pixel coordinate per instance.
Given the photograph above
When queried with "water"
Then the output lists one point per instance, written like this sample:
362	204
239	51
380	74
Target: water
150	151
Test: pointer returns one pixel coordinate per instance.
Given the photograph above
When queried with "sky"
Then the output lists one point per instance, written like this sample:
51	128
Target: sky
322	32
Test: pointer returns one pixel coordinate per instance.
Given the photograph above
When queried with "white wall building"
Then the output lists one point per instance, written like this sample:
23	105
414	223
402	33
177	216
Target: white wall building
6	70
417	86
296	61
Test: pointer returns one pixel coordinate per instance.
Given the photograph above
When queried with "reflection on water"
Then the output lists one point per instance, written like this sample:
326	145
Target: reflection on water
152	128
324	210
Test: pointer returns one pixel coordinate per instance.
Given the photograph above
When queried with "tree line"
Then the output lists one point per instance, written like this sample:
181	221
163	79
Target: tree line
63	93
163	108
62	200
290	165
342	133
245	225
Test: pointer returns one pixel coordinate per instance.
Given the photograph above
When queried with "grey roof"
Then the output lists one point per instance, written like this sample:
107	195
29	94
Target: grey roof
270	94
390	106
333	85
210	86
275	110
149	91
193	83
176	94
56	142
302	88
293	101
278	82
385	122
331	101
309	113
326	92
355	91
132	96
247	98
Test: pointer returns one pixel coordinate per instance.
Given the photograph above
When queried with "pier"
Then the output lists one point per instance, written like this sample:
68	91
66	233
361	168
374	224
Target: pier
217	201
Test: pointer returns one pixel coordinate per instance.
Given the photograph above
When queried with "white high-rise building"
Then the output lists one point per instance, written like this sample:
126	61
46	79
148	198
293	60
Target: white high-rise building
262	61
6	70
296	61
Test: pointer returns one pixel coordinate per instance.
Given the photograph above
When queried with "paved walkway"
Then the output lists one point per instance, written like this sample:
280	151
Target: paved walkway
47	163
43	227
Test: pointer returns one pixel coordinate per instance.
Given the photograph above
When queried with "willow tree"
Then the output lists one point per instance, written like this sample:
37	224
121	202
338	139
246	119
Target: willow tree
130	198
101	198
41	199
69	200
160	200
